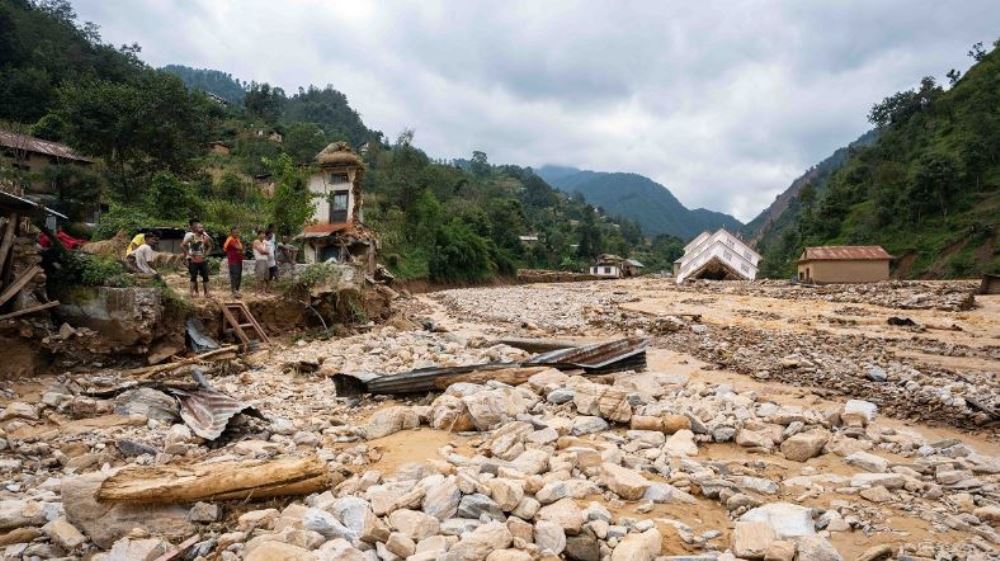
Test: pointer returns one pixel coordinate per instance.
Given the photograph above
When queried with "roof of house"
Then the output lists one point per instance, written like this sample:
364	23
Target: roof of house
39	146
635	263
338	154
844	253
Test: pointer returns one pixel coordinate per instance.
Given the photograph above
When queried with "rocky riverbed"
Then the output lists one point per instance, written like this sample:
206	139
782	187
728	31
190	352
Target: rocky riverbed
760	430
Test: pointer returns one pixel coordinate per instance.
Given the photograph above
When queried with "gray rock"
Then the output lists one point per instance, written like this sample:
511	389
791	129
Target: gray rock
586	424
560	395
149	402
476	505
106	522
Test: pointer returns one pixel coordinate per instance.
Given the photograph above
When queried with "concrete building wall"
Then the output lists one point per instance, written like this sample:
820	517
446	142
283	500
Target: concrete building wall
844	271
323	184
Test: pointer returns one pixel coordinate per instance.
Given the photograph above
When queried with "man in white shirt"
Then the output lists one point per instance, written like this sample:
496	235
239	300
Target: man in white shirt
140	260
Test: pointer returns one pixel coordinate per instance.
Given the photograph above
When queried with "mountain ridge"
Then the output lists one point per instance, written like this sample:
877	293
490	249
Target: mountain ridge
636	197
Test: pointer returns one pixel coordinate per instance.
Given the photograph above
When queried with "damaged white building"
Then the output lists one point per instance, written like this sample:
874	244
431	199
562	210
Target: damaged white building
717	256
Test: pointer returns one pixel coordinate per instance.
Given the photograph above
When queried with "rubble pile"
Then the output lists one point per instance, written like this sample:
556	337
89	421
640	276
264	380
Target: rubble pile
852	366
907	295
269	464
560	467
838	364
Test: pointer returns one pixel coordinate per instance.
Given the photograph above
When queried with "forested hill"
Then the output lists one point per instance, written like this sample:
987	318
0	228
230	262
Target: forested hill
214	82
169	153
927	189
771	223
638	198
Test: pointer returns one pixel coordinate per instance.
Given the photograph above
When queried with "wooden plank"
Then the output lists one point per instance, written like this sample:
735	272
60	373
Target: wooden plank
19	283
247	479
31	310
10	232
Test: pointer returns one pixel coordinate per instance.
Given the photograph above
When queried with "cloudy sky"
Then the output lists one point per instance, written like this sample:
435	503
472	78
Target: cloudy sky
724	102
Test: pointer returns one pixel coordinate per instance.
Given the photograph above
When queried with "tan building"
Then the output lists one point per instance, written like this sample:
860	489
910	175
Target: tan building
33	156
844	264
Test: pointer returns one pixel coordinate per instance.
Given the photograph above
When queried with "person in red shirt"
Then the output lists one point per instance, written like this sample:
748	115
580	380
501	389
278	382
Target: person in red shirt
234	257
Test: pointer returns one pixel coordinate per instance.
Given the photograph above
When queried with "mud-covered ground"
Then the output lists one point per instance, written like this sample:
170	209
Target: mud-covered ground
771	422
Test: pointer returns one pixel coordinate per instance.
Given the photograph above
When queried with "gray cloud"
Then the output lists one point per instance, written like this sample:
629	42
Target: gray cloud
724	102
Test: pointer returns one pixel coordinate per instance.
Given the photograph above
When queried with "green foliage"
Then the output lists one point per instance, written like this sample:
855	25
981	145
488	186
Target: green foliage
292	203
460	255
171	198
303	141
74	269
120	218
263	102
219	83
928	189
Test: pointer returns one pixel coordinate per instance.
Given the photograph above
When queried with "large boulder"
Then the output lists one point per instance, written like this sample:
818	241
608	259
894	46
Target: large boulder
628	484
750	540
643	546
805	445
786	519
278	551
391	420
478	544
608	402
106	522
491	409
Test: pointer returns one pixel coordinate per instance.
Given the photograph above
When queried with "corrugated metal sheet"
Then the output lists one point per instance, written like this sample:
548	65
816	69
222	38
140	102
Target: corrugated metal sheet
601	358
844	253
39	146
208	412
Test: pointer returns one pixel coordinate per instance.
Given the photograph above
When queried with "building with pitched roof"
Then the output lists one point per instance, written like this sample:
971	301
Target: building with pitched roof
717	256
32	157
843	264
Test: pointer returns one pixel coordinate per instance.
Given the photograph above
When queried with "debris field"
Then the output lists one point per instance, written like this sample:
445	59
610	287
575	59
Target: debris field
763	422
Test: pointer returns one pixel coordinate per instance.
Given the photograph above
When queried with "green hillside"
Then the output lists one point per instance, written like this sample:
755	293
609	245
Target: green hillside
152	132
928	189
638	198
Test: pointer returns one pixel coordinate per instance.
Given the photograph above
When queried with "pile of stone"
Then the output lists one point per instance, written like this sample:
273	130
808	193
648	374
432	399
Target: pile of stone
907	295
554	465
849	365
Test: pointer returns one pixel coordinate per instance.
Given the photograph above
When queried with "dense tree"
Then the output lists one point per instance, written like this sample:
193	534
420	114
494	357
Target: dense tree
303	141
292	204
264	102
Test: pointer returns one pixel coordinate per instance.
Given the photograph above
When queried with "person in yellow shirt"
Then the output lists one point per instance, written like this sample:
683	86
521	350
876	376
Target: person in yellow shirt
136	242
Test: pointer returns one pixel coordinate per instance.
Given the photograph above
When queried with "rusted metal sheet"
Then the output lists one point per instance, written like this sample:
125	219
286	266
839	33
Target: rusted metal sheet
207	412
601	358
844	253
597	358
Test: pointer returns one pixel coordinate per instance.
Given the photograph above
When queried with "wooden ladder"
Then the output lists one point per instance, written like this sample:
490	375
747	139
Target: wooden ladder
242	323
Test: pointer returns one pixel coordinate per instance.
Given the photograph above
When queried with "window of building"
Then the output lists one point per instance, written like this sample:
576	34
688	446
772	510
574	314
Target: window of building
607	270
339	178
728	256
338	207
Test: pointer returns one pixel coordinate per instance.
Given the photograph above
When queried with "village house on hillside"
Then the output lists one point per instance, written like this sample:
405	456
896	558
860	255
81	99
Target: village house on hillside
337	230
613	266
718	256
33	156
844	264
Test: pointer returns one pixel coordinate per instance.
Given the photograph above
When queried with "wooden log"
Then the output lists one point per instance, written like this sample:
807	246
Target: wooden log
241	480
31	310
510	376
7	242
19	283
217	354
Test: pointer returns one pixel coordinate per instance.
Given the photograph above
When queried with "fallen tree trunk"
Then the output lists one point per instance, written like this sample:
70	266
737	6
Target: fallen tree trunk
242	480
217	354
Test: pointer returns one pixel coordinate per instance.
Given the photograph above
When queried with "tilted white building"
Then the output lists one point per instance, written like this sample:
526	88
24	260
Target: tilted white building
718	256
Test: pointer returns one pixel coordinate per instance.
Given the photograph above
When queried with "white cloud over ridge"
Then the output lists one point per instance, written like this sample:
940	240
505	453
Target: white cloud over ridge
724	102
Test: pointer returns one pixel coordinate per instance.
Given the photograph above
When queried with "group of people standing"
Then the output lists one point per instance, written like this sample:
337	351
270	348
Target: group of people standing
267	254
